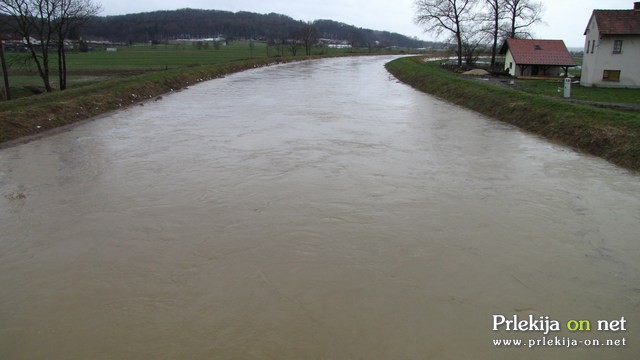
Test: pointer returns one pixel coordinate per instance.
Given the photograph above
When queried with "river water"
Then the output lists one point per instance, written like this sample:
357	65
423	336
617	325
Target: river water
316	210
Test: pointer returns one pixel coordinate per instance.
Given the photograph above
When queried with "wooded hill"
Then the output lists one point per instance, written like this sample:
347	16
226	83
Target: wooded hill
160	26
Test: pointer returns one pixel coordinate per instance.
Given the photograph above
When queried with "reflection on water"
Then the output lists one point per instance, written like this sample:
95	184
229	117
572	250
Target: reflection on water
318	210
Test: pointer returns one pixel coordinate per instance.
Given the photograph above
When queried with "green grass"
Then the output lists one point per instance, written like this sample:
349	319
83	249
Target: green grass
98	65
158	57
555	89
613	135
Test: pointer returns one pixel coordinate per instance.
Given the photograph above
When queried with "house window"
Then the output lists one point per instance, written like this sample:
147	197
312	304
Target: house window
617	47
611	75
593	46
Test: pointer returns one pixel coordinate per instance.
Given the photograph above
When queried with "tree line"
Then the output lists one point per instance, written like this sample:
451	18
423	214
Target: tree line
160	26
474	24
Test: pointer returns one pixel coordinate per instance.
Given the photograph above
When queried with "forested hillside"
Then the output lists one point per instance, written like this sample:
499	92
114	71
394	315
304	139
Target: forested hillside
161	26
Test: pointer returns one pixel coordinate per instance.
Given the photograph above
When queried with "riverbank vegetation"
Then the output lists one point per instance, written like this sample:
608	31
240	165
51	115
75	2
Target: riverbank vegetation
610	134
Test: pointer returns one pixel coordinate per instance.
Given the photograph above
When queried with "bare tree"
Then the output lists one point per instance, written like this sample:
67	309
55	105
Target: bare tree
294	45
43	23
309	37
356	39
281	45
495	13
521	15
474	41
70	14
445	16
33	22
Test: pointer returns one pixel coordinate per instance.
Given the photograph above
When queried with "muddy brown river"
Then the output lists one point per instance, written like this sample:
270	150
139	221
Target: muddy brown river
316	210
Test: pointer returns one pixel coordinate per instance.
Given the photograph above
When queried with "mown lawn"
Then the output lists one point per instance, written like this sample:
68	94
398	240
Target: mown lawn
555	89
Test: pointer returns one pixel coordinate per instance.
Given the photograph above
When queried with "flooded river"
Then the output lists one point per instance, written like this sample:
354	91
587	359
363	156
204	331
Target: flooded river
317	210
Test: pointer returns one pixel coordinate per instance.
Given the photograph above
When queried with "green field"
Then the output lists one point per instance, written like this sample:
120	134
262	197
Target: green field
99	65
159	57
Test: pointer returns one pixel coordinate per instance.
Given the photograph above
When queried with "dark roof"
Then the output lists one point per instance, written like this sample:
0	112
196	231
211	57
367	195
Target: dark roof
538	52
617	22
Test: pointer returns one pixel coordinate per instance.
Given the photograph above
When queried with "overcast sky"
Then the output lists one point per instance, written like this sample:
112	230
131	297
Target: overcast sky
564	19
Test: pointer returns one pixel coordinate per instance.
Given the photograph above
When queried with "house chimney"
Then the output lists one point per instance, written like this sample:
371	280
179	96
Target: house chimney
636	6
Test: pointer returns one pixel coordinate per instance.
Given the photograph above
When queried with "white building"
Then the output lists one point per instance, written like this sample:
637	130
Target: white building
537	58
612	49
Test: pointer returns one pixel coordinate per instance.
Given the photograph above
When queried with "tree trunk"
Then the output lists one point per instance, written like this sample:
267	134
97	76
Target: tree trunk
494	49
513	25
459	40
5	71
46	74
43	66
62	65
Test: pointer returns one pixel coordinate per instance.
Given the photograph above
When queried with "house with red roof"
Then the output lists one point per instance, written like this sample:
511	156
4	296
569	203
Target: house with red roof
531	57
612	49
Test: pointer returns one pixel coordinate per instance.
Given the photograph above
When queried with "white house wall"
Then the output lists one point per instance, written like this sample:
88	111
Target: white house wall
589	60
510	64
594	64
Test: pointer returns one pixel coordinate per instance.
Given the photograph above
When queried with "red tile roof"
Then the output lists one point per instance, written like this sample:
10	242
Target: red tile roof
539	52
618	22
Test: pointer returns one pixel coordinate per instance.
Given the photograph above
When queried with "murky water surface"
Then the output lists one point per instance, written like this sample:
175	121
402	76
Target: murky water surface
318	210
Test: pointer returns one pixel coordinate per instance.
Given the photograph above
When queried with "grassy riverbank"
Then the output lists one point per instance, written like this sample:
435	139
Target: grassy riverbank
126	77
610	134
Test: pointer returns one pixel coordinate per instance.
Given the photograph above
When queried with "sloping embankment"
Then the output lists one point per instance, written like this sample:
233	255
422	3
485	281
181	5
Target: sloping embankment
612	135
